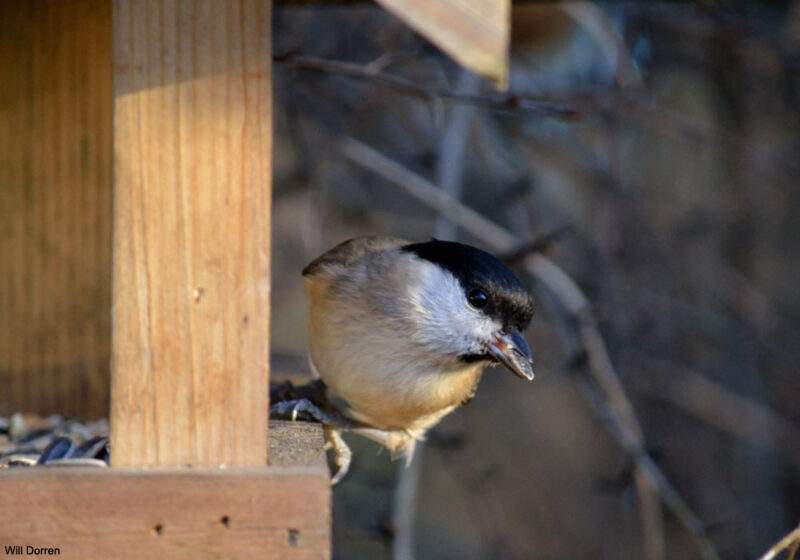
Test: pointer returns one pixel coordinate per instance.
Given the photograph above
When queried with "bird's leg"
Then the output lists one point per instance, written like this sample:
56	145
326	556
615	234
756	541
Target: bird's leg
332	422
309	402
342	456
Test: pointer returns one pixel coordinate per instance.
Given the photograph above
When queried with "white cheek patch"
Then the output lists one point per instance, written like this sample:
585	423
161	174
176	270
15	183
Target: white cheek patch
443	317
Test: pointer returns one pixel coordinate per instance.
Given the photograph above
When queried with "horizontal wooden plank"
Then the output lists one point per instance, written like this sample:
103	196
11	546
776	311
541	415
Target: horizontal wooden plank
282	511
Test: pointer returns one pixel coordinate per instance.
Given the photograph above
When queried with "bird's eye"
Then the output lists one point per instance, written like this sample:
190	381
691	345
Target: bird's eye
478	298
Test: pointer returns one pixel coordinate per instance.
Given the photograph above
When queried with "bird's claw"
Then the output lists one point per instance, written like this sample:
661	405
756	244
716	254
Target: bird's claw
342	456
332	422
294	408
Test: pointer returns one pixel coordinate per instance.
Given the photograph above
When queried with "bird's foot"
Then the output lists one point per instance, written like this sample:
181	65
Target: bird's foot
307	410
332	422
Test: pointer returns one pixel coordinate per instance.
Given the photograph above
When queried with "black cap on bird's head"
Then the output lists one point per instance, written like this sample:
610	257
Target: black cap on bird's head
490	287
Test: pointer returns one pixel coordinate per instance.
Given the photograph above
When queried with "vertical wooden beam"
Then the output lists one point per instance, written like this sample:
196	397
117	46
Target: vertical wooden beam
192	143
55	206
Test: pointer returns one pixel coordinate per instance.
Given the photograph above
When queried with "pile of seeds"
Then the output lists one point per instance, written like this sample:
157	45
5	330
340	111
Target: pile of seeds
30	440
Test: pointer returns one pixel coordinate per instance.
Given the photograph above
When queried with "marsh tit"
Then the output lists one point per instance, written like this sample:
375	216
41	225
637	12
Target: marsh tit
401	332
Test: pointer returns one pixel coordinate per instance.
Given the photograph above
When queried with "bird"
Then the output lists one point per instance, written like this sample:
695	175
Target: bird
400	333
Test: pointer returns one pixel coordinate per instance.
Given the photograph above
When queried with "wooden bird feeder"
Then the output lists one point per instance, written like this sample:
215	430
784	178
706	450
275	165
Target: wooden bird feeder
135	189
135	197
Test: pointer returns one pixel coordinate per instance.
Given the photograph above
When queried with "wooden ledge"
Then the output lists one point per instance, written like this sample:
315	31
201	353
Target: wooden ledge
281	511
296	444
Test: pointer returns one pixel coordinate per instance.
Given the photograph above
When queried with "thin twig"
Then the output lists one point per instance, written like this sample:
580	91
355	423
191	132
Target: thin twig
684	129
497	101
790	542
538	245
609	103
452	149
617	406
405	506
598	24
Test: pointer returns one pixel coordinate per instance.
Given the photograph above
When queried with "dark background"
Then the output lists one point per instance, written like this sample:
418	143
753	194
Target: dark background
664	182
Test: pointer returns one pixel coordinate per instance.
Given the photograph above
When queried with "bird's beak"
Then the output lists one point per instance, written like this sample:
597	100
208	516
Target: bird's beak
512	351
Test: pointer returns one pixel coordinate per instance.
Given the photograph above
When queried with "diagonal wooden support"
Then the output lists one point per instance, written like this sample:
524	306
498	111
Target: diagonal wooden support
476	33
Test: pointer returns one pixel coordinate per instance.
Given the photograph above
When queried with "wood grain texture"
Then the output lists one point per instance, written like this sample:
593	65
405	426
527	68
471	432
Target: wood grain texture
55	206
474	32
296	444
192	144
277	512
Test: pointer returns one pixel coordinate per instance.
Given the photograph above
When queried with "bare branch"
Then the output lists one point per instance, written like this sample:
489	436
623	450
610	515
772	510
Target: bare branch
452	149
537	245
405	506
497	101
790	542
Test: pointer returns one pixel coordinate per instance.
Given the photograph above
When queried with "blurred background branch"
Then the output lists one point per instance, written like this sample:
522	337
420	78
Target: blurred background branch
491	100
790	543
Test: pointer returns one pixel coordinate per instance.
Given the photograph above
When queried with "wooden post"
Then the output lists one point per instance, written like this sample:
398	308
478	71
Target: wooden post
55	206
192	144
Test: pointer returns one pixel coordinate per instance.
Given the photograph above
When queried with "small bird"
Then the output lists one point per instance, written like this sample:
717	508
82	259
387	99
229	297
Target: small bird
400	333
